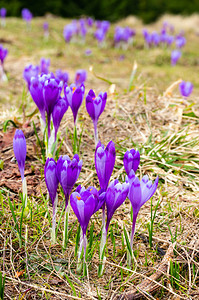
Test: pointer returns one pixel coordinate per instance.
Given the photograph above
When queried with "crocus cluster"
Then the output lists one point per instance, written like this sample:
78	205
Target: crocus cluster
45	91
155	39
85	202
76	29
123	36
65	172
3	12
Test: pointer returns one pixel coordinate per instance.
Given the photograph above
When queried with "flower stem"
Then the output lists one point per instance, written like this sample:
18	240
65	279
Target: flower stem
102	251
65	233
95	132
24	191
53	236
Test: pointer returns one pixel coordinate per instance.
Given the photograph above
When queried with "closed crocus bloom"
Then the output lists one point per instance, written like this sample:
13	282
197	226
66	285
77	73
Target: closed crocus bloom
51	92
3	12
80	77
186	88
68	172
131	160
139	193
59	110
51	178
44	65
52	185
175	56
3	54
36	91
29	72
74	96
104	163
115	196
95	106
19	147
26	14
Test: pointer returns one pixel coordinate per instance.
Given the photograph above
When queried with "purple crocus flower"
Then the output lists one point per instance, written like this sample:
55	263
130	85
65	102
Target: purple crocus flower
80	77
68	173
84	206
19	147
100	196
139	193
36	91
26	15
44	65
59	110
95	106
104	163
131	160
29	72
52	185
186	88
45	26
62	76
100	35
175	56
74	95
3	12
180	41
51	178
69	31
3	54
51	92
115	196
90	21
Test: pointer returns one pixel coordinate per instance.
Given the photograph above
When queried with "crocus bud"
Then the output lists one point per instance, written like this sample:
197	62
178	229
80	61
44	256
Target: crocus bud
104	163
131	160
74	96
51	178
186	88
19	147
59	110
68	173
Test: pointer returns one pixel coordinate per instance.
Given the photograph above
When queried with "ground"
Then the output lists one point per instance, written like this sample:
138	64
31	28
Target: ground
150	116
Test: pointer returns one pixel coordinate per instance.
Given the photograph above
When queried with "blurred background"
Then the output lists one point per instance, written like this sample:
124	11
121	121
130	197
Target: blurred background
113	10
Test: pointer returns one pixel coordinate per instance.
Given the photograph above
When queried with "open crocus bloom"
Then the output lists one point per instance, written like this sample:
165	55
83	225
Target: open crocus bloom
74	95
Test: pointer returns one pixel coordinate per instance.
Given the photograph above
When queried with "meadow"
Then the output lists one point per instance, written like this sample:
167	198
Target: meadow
144	111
